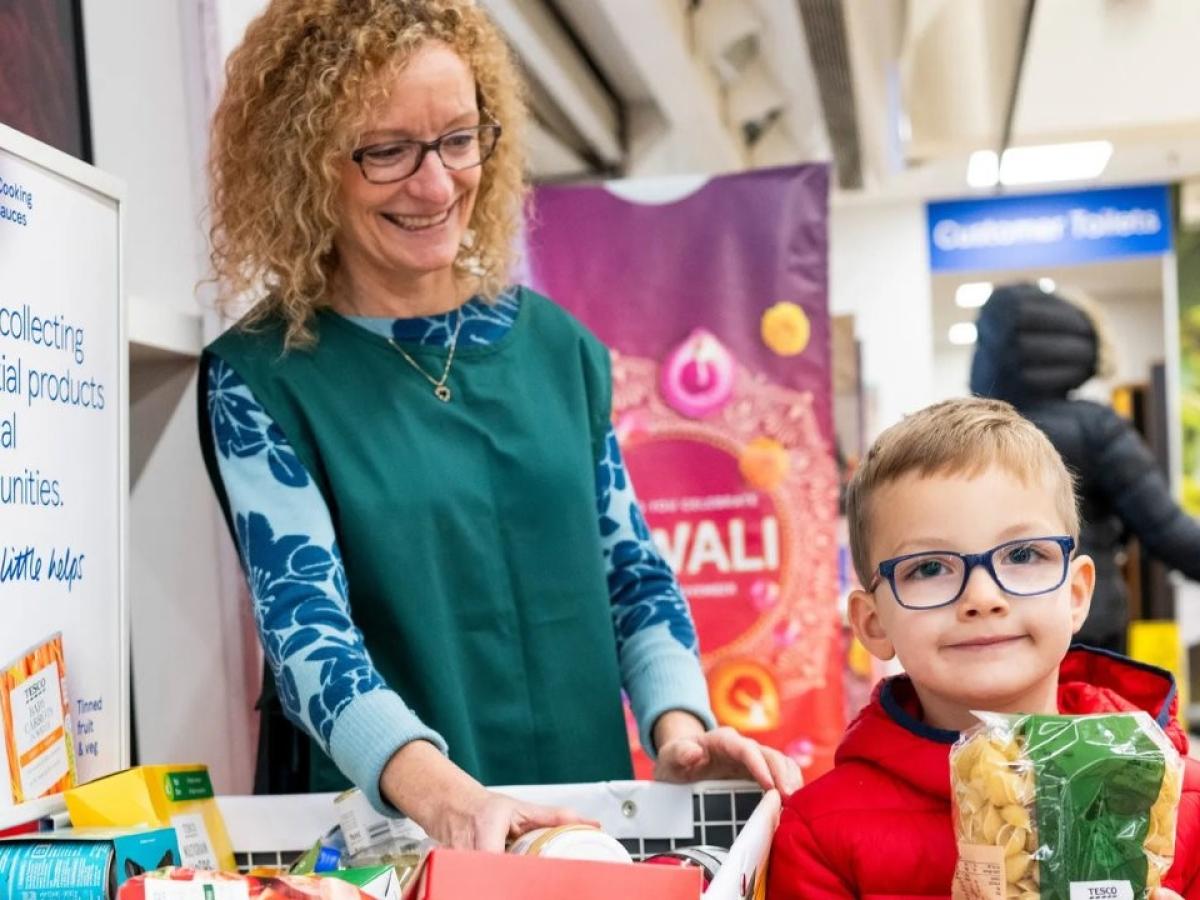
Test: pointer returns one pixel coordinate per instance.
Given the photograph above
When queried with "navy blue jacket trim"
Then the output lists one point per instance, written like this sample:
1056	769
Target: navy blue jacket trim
906	720
898	714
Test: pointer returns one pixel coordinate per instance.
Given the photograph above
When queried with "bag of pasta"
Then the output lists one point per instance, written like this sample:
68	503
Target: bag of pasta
1044	804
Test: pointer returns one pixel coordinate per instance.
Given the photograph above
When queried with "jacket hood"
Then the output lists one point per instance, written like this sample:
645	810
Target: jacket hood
889	734
1031	346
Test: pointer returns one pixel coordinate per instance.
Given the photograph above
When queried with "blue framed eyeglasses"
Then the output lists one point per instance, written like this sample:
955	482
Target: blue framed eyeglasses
1023	568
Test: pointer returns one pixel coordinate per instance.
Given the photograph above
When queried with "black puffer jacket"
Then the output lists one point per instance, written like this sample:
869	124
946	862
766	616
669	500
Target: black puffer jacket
1034	349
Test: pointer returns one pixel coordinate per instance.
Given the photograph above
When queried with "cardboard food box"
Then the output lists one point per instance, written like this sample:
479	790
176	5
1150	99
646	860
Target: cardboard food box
364	827
38	757
459	874
81	864
189	884
379	882
179	796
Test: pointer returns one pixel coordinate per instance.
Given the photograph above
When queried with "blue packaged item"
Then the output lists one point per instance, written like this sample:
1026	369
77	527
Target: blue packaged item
81	864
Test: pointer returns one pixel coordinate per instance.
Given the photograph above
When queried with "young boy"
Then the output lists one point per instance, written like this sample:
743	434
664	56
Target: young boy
990	632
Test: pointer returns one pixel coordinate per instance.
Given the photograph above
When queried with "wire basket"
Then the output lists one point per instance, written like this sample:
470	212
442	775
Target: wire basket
647	818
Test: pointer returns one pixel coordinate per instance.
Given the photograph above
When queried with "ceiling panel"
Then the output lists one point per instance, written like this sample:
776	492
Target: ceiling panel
1109	66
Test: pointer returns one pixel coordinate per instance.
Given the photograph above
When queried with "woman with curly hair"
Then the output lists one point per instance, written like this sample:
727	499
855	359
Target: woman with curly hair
451	577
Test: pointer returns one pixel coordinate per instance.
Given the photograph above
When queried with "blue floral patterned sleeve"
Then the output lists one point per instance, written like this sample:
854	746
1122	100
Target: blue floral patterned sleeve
656	638
326	681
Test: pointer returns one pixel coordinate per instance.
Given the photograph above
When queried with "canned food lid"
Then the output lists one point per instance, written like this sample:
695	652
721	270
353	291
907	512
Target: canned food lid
571	842
713	850
718	854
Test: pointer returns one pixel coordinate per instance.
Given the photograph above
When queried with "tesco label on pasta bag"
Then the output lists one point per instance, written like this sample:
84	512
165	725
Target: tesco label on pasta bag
1101	890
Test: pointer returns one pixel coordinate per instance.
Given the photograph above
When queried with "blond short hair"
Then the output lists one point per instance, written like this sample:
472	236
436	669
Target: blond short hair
956	437
298	92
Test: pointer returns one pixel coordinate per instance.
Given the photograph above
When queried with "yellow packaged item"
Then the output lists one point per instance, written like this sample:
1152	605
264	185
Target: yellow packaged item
180	796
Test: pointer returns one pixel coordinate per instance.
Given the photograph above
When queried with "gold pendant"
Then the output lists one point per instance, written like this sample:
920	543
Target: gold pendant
442	393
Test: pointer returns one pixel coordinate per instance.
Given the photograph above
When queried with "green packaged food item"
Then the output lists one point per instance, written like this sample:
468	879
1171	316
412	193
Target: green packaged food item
1052	807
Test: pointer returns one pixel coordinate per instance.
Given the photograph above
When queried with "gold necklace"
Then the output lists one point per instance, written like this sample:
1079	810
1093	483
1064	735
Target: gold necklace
440	389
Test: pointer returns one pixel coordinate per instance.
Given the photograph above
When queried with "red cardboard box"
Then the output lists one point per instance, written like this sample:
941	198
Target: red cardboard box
467	874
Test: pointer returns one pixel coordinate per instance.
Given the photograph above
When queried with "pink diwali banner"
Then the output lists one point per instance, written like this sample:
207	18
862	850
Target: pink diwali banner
714	304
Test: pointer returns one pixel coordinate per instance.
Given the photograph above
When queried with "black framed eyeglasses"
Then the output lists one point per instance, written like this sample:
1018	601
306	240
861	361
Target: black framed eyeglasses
462	148
1023	568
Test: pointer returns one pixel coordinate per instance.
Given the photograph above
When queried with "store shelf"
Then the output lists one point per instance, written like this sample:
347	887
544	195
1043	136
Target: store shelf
159	332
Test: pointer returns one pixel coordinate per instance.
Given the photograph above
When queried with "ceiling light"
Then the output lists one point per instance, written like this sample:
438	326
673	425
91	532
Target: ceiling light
1054	162
963	333
1047	285
973	294
983	169
1034	165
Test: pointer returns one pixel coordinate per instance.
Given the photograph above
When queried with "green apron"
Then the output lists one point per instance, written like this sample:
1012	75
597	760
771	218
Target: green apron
468	531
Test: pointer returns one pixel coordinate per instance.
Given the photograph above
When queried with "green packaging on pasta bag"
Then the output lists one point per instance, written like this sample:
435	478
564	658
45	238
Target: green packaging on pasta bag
1064	807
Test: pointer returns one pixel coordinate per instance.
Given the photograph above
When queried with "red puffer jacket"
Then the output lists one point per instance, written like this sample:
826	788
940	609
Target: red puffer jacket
878	826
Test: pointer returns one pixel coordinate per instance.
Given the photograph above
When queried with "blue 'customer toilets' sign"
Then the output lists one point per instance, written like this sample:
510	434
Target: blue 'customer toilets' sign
1049	229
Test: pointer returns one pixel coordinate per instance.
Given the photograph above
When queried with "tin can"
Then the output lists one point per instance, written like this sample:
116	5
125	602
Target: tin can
708	859
571	842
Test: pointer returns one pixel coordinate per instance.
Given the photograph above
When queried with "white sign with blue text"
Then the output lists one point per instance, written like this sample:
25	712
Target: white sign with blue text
1049	229
62	435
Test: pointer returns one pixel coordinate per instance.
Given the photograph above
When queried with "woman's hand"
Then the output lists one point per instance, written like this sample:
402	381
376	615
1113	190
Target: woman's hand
455	809
484	820
686	752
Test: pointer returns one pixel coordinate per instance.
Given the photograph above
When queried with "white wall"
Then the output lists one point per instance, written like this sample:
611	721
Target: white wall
232	17
879	273
1137	327
189	661
951	371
